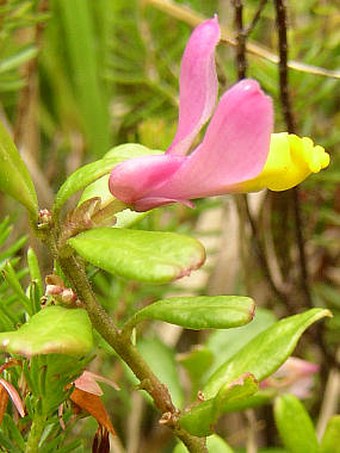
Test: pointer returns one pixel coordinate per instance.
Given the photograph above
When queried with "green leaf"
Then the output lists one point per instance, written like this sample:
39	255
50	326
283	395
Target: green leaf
14	432
19	58
91	172
54	329
13	281
200	419
205	312
215	444
146	256
34	269
330	441
266	352
14	177
82	47
294	424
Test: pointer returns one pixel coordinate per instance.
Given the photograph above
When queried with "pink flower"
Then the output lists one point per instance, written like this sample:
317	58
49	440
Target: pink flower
294	376
234	148
87	382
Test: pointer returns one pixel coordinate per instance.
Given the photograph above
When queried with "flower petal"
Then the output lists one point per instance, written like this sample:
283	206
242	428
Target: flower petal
234	149
133	179
290	161
198	85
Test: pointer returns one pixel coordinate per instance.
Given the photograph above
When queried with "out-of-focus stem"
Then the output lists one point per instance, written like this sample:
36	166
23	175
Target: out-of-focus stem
240	40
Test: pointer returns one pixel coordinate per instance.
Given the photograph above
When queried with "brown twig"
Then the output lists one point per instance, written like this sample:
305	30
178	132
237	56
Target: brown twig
242	200
240	40
281	22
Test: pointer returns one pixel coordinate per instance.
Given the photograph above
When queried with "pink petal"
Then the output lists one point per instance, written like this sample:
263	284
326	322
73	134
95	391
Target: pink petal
234	149
87	382
14	395
133	179
197	86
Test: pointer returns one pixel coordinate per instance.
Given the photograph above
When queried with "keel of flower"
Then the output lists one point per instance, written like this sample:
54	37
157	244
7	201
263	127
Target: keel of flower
290	161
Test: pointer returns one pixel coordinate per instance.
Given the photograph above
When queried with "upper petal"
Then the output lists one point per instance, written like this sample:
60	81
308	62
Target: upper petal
234	149
197	86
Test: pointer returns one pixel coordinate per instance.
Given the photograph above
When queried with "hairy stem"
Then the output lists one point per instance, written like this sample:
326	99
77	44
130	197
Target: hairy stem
103	323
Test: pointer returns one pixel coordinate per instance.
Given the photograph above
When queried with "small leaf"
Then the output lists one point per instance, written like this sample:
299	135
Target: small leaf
215	444
55	329
34	269
294	424
205	312
145	256
93	405
12	279
266	352
200	420
331	439
240	389
11	428
91	172
14	177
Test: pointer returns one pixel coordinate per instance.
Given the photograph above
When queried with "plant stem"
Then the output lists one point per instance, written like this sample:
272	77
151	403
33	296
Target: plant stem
240	40
281	21
103	323
37	428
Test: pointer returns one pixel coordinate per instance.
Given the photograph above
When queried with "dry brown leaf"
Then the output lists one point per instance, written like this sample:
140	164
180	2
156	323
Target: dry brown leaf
3	402
94	406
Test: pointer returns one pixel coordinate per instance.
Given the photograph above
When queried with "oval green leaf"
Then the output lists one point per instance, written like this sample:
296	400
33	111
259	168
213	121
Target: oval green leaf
53	330
294	425
200	420
91	172
15	179
205	312
145	256
266	352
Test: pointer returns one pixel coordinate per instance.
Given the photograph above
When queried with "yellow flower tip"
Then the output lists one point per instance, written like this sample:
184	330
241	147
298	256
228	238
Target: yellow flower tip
290	161
314	156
